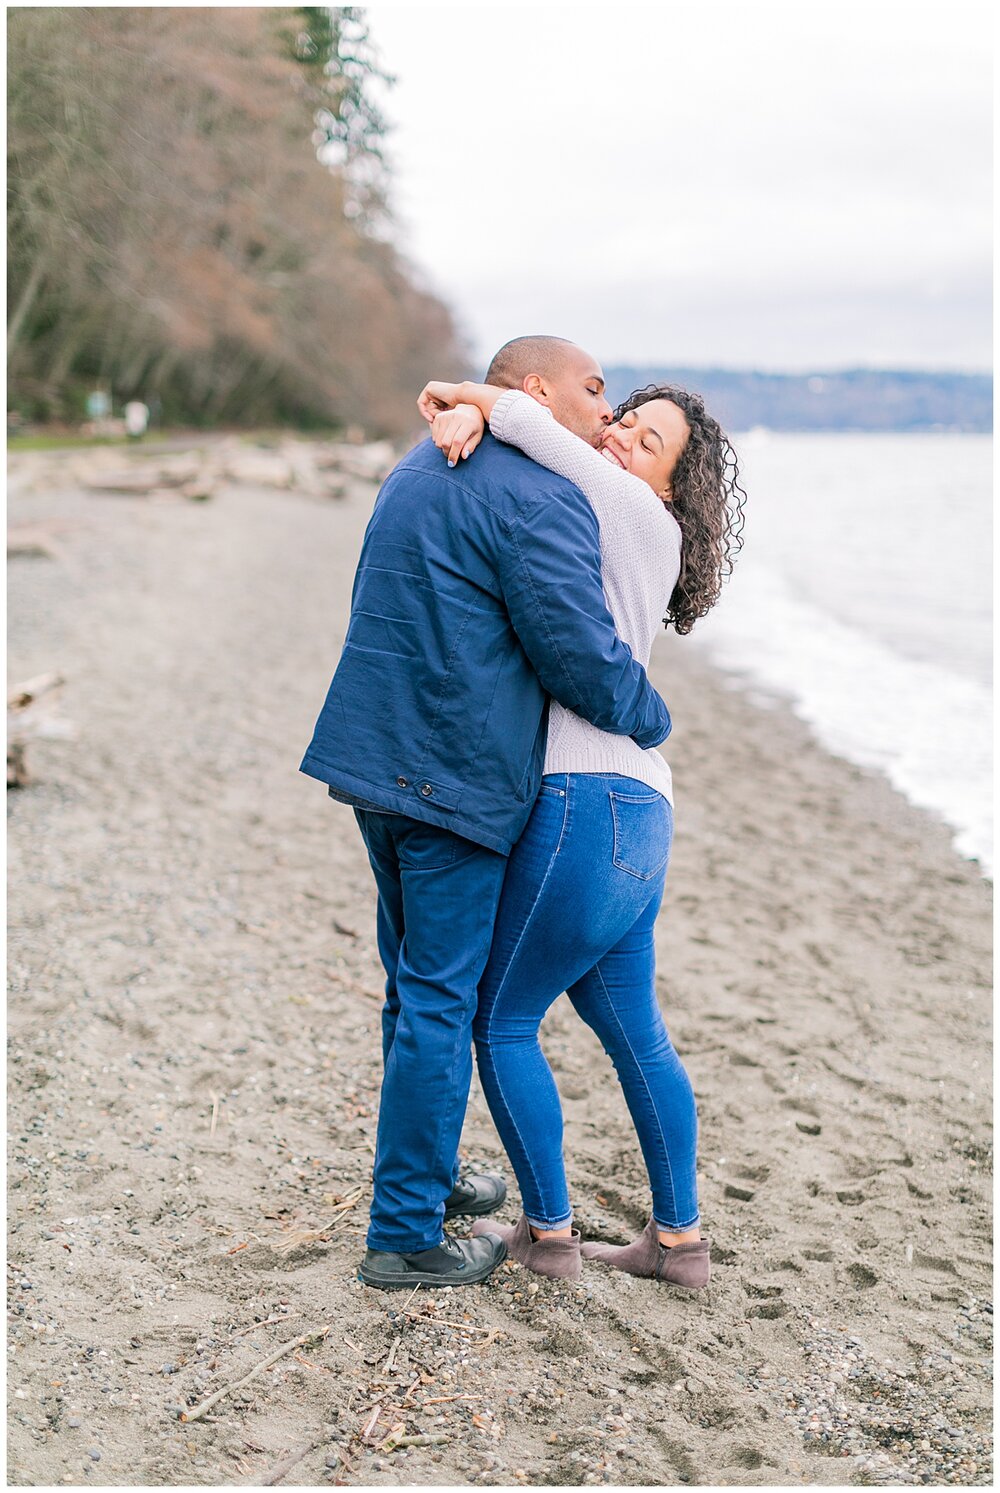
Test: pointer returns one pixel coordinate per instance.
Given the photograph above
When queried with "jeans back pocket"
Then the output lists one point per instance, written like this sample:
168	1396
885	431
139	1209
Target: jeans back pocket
643	831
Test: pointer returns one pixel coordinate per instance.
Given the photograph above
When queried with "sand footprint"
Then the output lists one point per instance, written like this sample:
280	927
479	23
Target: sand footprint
749	1457
677	1455
768	1311
804	1106
934	1262
634	1217
862	1277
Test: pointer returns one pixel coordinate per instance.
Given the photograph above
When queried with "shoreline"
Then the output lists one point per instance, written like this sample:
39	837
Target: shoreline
195	1063
773	697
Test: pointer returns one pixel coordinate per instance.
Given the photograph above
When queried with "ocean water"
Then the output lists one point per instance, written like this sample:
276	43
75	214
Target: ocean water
863	596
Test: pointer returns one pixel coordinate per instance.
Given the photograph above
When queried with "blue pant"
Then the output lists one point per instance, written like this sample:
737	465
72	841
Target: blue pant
583	887
437	900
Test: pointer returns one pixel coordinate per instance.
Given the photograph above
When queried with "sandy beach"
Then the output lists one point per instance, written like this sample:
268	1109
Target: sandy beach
194	1070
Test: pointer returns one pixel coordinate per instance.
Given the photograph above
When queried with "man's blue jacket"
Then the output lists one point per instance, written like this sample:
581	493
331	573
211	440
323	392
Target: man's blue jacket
478	595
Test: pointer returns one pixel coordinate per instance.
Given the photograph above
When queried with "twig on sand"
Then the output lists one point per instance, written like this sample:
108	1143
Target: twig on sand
372	1422
215	1114
296	1238
444	1322
307	1339
345	1458
391	1442
446	1399
348	1201
387	1367
267	1322
279	1469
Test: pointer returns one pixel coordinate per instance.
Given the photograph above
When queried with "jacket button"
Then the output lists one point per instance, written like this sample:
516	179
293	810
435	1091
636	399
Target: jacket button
426	789
402	783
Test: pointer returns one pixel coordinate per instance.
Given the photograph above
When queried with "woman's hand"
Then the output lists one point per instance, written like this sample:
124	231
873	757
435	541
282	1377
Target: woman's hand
457	432
457	414
438	396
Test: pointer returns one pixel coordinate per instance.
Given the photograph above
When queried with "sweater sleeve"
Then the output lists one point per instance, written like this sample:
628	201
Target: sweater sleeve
521	421
550	575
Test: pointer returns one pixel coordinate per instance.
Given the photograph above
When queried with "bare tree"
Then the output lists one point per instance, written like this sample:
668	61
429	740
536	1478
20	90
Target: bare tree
197	210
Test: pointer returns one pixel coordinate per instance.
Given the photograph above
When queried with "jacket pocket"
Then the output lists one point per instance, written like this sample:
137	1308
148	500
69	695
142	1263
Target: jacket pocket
643	825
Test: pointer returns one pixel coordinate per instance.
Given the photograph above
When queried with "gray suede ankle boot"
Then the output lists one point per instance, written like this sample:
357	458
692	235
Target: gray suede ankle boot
676	1264
557	1258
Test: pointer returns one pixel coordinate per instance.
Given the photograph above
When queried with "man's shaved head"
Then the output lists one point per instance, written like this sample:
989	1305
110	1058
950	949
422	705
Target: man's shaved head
524	355
560	375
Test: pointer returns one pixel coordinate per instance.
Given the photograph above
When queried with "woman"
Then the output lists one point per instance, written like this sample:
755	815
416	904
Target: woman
585	881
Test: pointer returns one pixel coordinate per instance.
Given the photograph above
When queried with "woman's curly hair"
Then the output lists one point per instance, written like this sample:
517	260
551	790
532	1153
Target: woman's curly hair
707	502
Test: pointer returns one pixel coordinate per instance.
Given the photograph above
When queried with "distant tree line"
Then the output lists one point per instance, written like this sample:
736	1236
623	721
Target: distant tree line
197	213
859	399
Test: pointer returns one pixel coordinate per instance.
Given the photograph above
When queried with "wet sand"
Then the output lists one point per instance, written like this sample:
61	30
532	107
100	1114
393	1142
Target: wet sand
194	1075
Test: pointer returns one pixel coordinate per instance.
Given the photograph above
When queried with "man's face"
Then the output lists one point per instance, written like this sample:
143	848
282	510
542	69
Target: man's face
575	395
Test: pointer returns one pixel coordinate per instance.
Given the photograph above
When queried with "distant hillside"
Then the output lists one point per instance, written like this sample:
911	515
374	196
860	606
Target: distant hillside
861	399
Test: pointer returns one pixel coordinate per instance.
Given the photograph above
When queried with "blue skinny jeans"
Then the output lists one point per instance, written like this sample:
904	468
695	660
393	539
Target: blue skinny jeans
583	886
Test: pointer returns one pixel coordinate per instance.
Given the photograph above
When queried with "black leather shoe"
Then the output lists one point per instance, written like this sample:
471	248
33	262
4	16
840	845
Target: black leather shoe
453	1262
475	1195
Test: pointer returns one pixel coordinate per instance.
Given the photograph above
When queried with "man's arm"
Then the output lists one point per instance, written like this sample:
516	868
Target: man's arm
550	573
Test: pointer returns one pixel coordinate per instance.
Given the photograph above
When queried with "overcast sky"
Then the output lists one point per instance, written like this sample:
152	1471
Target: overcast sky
732	182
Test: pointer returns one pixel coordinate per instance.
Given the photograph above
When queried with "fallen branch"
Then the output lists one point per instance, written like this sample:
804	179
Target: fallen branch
305	1340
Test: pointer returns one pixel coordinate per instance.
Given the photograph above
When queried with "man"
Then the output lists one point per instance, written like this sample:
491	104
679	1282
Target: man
477	597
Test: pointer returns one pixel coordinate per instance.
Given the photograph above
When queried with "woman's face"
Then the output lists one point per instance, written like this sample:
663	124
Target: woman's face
647	442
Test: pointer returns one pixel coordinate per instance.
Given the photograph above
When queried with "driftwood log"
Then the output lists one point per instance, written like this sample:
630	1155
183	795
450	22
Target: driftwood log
27	720
23	695
18	775
29	544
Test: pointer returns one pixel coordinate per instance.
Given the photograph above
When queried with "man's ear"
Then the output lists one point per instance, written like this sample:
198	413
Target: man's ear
534	385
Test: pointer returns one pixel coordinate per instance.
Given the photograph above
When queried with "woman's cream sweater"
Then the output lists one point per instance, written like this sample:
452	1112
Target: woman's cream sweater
640	563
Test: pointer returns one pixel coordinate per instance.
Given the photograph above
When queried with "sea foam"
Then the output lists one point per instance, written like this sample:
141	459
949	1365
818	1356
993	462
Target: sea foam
847	629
